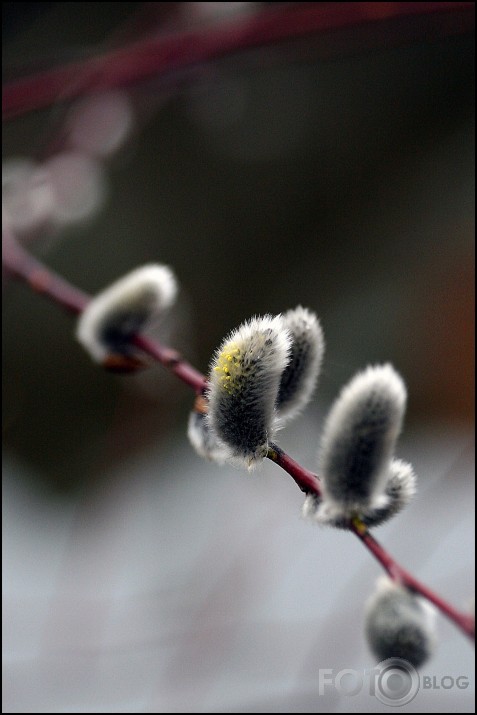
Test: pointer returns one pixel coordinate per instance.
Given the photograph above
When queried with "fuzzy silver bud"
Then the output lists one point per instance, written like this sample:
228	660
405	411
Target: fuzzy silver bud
399	490
113	316
306	355
399	624
203	439
358	441
243	386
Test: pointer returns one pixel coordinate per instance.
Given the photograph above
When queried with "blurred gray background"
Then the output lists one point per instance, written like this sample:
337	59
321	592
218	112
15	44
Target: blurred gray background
138	578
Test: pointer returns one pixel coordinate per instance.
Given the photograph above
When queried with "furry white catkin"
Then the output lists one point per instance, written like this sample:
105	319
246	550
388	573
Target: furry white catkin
306	355
243	386
204	440
359	476
399	624
399	489
124	308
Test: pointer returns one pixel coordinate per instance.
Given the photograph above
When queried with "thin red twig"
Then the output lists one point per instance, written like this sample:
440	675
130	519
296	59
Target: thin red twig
173	361
310	483
23	266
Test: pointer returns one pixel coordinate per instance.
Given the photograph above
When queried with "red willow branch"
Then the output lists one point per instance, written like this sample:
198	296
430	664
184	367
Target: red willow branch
309	483
161	54
23	266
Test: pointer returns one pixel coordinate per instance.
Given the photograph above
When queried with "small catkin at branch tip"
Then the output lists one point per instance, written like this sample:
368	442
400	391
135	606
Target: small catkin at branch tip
399	624
244	381
109	321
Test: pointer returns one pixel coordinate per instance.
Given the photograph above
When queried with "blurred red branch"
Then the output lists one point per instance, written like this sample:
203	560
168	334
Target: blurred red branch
23	266
161	54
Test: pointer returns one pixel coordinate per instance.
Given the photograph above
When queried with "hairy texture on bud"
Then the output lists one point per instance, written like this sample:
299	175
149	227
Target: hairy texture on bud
123	309
243	387
399	624
358	441
300	375
399	490
203	438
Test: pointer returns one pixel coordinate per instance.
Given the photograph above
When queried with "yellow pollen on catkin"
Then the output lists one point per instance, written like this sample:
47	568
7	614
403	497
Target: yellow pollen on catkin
229	367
